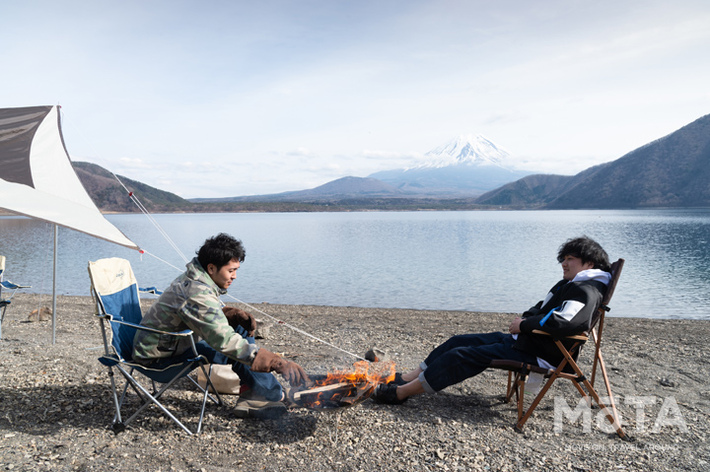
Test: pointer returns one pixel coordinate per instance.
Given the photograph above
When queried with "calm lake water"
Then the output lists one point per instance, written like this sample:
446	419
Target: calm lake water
502	261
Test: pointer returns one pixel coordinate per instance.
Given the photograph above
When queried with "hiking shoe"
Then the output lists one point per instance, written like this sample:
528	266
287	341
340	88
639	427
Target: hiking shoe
398	380
387	393
253	406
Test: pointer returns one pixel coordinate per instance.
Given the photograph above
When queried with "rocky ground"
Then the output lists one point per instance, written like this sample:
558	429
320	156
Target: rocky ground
55	408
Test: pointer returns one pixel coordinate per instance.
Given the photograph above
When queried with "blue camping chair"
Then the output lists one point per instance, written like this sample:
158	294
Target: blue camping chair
115	291
7	285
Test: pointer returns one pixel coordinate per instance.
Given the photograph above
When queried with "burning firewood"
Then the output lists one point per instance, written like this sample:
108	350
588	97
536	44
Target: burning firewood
342	388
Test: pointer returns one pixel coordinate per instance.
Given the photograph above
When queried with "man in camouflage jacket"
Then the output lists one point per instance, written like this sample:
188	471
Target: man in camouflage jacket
225	337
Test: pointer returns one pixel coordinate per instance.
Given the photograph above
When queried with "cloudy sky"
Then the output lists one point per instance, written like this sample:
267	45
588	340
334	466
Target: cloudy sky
231	97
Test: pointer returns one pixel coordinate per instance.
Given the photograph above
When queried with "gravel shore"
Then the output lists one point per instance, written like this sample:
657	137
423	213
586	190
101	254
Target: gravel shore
55	408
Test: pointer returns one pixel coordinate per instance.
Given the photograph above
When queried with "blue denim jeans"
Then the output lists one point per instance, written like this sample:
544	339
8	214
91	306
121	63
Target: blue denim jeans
262	383
466	355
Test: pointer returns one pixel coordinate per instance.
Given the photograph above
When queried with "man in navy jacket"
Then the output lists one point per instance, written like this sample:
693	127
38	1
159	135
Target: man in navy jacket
567	309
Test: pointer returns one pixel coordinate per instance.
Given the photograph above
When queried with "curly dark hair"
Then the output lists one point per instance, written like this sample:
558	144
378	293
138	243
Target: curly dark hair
586	249
219	250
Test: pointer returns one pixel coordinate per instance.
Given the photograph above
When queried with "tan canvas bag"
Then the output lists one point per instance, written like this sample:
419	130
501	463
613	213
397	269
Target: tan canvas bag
223	378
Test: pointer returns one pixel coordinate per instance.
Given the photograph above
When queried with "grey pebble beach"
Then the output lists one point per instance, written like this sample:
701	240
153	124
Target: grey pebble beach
55	405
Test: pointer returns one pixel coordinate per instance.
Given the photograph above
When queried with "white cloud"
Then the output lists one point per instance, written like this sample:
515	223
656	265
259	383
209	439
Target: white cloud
134	163
258	98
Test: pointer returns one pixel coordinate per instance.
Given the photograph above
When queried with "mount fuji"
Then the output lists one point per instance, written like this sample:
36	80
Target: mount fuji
468	165
468	150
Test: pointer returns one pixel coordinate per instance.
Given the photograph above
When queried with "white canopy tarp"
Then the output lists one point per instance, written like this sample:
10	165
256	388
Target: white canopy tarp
37	178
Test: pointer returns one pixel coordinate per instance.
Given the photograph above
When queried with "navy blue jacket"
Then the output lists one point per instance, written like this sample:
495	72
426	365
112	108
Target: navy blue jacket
568	309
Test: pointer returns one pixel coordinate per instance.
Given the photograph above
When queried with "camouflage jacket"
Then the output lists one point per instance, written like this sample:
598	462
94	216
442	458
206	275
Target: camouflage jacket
190	302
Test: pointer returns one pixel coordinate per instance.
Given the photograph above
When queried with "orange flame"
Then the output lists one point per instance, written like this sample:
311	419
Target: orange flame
351	386
364	372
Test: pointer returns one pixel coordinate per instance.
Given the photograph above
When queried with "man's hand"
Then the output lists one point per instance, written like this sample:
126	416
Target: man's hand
514	327
292	372
267	361
237	317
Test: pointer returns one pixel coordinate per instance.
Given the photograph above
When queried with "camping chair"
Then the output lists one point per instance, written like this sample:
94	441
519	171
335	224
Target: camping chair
518	372
7	285
115	291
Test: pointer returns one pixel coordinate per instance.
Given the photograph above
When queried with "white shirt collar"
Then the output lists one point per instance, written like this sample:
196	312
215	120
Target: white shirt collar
593	274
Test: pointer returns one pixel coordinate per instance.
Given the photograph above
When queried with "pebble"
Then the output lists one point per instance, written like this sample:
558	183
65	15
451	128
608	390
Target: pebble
55	406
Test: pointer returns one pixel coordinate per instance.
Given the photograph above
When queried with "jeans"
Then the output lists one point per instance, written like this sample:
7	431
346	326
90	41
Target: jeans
263	384
466	355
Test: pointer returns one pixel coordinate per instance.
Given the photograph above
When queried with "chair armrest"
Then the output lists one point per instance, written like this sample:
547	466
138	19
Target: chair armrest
10	286
183	333
152	290
578	337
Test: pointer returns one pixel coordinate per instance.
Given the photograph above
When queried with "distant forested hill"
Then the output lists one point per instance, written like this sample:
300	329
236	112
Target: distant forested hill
109	195
673	171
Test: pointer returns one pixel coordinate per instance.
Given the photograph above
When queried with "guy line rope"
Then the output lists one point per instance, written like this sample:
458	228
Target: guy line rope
172	244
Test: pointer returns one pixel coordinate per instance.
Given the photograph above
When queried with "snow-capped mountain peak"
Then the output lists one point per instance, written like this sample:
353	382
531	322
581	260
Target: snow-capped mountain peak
467	165
468	150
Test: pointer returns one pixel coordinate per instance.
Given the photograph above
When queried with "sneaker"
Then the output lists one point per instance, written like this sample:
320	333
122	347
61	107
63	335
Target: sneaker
253	406
387	393
398	380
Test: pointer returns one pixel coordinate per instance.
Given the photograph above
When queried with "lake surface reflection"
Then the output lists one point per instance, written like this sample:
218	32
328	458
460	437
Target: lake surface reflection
501	261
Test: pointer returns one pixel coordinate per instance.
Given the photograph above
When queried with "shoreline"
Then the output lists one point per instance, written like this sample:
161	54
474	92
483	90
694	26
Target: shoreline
55	408
46	301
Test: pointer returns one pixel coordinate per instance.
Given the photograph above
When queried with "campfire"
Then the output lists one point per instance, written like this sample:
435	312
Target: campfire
343	388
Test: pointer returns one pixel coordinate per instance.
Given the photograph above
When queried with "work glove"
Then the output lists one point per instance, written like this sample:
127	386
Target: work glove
267	361
292	372
264	361
237	317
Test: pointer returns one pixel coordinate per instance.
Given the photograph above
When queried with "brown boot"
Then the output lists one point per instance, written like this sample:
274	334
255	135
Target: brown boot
255	406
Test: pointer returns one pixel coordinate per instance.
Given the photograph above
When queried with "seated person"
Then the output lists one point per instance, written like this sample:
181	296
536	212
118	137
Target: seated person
192	302
567	309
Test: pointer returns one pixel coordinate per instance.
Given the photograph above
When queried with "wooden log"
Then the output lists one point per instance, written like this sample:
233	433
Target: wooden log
324	388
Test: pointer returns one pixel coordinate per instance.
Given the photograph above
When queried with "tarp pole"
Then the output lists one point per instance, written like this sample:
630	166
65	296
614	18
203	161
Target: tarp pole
54	286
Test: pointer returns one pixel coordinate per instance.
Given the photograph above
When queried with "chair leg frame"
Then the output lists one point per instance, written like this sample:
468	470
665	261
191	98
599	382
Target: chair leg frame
3	307
518	386
147	398
599	360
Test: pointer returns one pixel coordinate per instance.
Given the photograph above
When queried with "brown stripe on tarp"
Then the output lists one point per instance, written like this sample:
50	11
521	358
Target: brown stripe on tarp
17	130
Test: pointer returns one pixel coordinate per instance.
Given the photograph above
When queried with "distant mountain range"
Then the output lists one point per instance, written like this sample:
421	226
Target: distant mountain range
673	171
339	189
465	167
